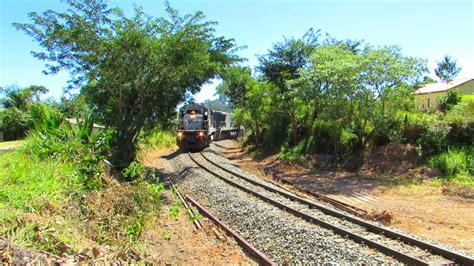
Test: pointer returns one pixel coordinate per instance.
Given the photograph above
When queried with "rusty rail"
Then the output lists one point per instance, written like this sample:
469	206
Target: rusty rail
387	232
341	205
191	214
246	245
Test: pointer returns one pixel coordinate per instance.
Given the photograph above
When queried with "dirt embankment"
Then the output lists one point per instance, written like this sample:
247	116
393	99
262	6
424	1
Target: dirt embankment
388	180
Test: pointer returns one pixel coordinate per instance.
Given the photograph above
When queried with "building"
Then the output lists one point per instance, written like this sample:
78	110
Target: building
427	96
95	127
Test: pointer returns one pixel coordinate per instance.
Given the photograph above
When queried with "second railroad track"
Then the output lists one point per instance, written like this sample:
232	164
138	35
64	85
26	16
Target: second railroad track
400	246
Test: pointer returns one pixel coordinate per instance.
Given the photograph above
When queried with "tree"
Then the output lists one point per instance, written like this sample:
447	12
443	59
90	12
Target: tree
256	113
15	97
133	71
282	64
447	69
386	70
17	118
449	100
348	91
234	85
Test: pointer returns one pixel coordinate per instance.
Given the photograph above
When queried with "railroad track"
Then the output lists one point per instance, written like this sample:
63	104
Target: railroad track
387	241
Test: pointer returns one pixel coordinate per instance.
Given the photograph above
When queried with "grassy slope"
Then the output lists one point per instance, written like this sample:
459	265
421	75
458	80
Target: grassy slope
45	205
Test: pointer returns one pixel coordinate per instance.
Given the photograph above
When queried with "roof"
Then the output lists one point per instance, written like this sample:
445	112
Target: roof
73	121
441	86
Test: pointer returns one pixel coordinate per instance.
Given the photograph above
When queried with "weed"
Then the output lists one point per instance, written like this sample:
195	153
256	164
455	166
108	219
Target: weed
174	211
55	180
133	229
452	162
134	171
196	217
457	165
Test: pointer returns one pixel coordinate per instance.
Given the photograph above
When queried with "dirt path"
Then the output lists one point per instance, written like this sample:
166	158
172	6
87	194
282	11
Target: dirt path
175	240
427	210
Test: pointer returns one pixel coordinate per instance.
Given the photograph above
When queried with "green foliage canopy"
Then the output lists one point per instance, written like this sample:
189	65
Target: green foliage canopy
447	69
134	71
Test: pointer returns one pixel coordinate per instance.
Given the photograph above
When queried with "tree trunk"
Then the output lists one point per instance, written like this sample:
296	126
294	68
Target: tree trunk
294	128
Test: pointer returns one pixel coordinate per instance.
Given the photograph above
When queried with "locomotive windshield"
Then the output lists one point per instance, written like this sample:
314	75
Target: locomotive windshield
194	112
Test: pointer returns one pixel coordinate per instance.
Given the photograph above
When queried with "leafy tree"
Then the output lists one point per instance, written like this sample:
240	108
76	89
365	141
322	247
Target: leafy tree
257	111
15	97
449	100
234	85
73	106
19	109
282	64
344	93
447	69
133	71
387	70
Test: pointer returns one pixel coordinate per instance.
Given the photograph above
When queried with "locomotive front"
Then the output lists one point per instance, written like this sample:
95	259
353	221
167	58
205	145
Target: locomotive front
193	127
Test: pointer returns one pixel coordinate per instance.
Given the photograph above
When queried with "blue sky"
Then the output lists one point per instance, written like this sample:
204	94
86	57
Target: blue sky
426	29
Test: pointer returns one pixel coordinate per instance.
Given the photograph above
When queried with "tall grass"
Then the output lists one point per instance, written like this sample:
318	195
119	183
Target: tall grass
28	183
158	139
456	165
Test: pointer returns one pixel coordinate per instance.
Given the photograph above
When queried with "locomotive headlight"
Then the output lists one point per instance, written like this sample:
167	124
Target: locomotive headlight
192	116
180	134
201	134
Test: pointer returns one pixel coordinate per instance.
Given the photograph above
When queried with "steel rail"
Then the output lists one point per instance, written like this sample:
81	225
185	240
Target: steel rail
191	214
451	255
357	238
341	205
264	260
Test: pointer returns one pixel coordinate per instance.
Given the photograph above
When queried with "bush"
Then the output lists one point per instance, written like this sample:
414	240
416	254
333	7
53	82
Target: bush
434	138
331	136
454	162
157	139
293	153
447	102
14	123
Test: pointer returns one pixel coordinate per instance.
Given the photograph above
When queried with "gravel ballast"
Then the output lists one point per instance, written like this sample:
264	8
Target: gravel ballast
278	234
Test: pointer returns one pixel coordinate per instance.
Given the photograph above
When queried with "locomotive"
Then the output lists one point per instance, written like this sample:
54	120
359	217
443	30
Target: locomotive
199	125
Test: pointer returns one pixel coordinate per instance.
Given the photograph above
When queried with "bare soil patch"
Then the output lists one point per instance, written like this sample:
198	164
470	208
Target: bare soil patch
441	213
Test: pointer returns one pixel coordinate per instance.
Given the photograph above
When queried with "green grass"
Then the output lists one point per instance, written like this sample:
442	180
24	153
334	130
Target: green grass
158	139
28	183
47	203
467	98
31	186
456	165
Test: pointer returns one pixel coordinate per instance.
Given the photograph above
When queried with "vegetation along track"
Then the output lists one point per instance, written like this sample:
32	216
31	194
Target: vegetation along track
402	247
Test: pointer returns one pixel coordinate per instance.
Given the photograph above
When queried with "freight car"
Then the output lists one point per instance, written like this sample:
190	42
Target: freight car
199	125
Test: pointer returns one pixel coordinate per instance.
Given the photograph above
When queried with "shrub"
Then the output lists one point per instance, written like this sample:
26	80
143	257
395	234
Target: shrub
293	153
454	162
447	102
14	123
157	139
434	140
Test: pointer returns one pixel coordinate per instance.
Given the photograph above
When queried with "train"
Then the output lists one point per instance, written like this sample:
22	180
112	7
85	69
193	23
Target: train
199	125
